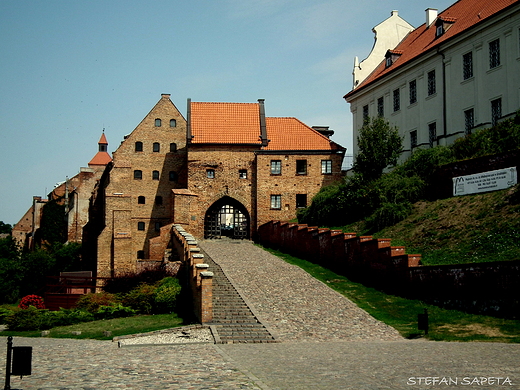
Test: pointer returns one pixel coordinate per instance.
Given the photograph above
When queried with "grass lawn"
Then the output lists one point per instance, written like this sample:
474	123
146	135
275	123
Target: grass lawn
401	313
118	327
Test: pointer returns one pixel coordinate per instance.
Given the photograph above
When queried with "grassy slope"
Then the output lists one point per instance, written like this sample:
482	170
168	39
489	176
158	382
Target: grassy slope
466	229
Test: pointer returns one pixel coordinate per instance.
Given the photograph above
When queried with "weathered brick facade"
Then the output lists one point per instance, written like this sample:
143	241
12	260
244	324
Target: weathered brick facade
212	173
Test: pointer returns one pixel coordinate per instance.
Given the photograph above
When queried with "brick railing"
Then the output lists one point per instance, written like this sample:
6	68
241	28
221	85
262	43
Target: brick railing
338	251
200	280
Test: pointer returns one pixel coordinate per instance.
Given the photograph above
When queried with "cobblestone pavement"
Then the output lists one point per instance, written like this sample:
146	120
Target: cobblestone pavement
291	303
327	344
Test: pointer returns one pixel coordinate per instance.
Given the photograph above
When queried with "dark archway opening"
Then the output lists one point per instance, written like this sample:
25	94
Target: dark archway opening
227	218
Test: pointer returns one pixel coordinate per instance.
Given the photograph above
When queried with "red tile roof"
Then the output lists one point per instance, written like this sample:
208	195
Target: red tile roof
464	14
101	158
228	123
239	123
103	140
292	134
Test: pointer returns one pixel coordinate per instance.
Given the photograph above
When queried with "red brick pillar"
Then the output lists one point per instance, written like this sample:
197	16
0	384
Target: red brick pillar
206	296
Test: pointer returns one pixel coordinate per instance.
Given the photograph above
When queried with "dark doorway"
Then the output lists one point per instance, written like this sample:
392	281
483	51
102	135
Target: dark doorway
227	218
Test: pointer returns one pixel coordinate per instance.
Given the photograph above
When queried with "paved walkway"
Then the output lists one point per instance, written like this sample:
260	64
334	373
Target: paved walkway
327	343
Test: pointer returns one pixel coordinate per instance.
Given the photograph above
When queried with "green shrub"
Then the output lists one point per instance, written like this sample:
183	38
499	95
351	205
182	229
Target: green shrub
387	215
115	311
65	317
140	299
166	295
4	313
93	301
29	319
127	282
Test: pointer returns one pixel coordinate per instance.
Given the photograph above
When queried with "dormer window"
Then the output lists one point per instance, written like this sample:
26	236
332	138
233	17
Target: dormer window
442	25
391	56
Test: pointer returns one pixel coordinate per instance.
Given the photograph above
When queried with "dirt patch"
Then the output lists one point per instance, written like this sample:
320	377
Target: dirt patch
473	330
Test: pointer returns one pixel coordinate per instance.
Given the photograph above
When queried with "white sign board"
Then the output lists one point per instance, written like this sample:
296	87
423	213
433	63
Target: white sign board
485	181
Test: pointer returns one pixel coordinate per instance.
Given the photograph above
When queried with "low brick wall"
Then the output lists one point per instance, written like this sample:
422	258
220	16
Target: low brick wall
198	278
486	288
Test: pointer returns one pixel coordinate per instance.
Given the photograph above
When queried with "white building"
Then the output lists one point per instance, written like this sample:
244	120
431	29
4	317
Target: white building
457	72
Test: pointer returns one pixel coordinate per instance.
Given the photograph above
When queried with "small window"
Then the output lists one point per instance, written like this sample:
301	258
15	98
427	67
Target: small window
440	30
173	147
276	202
413	139
388	61
138	146
156	147
155	175
276	167
467	66
469	120
365	113
326	167
413	91
157	226
496	111
173	123
172	176
301	167
158	122
140	255
242	174
141	200
301	201
380	106
210	173
140	225
432	133
158	200
432	87
494	53
397	99
138	175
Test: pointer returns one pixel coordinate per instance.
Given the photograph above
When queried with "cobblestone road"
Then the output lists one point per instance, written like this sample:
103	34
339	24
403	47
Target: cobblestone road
327	344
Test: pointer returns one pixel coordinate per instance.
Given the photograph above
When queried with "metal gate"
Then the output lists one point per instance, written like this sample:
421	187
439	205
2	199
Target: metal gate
226	220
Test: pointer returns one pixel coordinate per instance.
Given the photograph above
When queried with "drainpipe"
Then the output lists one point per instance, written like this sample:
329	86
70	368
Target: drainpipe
444	120
189	137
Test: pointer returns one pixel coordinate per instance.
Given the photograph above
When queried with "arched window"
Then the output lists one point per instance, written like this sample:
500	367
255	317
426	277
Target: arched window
138	146
140	225
156	147
173	147
155	175
138	175
172	176
158	122
173	123
141	200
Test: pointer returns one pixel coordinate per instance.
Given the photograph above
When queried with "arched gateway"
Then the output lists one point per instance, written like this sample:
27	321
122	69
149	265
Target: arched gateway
227	217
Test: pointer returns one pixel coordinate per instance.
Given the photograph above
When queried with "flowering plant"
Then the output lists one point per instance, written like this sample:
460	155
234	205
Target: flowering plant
32	300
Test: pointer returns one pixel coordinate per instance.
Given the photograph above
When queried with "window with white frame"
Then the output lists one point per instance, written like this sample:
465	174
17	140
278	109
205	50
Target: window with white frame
276	202
432	87
380	106
413	91
276	167
432	133
326	167
467	65
494	53
210	173
397	99
242	173
413	139
469	120
496	111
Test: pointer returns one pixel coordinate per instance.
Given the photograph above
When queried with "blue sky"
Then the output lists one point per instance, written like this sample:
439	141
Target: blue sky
68	69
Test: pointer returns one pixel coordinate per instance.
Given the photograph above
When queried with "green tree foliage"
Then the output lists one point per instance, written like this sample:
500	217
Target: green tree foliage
379	146
5	228
53	226
11	271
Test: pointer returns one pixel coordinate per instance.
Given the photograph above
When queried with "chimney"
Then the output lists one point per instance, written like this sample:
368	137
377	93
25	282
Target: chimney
324	130
431	15
263	127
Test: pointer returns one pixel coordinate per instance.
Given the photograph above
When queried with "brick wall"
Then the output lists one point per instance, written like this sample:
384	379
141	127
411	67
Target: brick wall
485	288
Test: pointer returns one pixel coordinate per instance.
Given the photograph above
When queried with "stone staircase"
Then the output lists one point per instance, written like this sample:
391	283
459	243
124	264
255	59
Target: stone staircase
233	321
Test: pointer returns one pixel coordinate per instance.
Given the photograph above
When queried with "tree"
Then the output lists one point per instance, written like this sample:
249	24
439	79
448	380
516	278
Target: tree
5	227
379	146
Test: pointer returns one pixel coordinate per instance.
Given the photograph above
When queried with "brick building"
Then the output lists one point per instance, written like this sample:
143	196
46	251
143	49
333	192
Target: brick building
74	193
222	171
